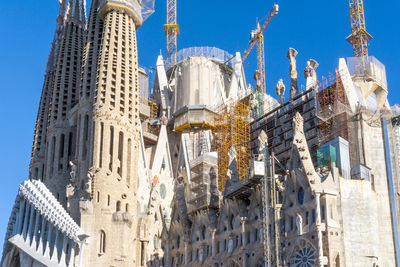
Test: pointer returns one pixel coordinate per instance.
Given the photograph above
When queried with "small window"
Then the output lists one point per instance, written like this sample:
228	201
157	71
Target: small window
300	195
108	200
118	206
102	242
322	212
127	207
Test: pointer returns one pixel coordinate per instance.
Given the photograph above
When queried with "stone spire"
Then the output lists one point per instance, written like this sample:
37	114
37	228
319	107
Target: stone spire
108	133
67	68
36	168
76	12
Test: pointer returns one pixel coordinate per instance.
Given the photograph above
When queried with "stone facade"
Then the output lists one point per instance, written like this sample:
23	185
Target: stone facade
120	179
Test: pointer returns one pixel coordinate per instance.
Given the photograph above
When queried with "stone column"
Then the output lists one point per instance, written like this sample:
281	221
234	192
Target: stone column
214	242
47	245
319	233
71	254
243	221
35	231
294	89
64	246
30	225
25	222
20	219
186	253
54	256
41	238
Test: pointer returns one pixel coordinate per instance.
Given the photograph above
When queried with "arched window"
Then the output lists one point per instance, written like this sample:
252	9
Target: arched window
300	195
102	242
118	206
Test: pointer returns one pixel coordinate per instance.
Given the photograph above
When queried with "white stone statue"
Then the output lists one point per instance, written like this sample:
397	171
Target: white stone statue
74	171
230	245
201	254
163	119
299	224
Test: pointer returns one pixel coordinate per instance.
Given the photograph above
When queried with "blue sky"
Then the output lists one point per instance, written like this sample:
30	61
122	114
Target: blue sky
316	28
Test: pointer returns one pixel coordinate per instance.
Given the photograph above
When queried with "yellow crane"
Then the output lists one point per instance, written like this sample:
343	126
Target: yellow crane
359	36
171	30
257	37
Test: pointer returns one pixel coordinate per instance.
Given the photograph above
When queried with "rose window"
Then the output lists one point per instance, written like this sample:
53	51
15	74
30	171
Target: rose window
305	258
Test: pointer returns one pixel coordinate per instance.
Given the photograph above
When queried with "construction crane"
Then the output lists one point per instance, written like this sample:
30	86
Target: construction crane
359	36
257	37
171	30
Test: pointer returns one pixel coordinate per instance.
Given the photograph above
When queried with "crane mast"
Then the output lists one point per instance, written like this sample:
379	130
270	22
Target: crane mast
171	30
257	38
359	36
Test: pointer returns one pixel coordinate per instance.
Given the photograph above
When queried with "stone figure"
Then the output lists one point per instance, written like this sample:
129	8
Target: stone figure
232	173
74	171
310	74
262	144
89	182
280	91
298	123
294	89
201	254
257	78
230	245
164	119
299	224
70	190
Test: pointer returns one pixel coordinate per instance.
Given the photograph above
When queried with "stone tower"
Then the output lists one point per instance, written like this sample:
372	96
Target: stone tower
60	135
37	165
102	193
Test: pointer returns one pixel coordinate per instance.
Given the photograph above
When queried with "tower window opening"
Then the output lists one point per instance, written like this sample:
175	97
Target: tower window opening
85	134
101	144
118	206
120	152
111	147
61	152
70	145
102	242
108	200
128	163
53	150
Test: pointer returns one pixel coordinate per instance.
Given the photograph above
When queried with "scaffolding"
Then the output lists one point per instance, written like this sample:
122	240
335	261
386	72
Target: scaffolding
233	130
333	109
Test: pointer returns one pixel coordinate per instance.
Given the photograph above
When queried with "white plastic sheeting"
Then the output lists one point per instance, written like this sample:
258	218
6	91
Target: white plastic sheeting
147	8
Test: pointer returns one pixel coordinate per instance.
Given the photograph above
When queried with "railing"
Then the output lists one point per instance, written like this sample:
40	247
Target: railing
204	51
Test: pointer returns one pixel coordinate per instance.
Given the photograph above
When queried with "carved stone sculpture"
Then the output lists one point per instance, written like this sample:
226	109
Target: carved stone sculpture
164	119
74	171
310	74
280	91
257	78
294	89
299	224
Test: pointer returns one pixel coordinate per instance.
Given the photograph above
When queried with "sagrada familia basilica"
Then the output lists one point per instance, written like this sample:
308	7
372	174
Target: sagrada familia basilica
199	168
